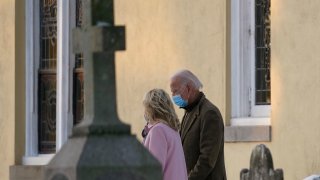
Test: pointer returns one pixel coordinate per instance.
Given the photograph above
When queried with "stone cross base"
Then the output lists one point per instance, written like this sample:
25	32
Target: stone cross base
109	157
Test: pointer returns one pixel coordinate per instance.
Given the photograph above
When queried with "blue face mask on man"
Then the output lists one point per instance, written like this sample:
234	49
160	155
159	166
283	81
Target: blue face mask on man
179	101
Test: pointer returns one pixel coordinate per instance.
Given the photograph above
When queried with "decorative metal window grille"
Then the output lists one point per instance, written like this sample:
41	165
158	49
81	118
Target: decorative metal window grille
79	57
262	50
78	92
47	77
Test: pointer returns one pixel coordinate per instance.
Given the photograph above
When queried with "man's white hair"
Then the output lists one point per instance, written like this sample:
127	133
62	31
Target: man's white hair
188	77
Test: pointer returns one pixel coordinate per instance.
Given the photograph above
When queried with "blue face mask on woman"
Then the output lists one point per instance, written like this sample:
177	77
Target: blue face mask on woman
179	101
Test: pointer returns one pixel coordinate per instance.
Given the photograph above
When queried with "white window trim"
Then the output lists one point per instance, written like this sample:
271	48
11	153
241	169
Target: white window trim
65	65
244	111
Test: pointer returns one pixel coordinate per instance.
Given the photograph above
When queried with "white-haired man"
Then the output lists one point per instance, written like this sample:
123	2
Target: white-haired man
202	129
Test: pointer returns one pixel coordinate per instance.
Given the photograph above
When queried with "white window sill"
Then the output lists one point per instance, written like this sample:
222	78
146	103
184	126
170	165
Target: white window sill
41	159
248	130
250	121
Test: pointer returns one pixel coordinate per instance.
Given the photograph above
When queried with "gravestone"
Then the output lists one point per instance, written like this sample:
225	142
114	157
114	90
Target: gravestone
101	146
261	166
312	177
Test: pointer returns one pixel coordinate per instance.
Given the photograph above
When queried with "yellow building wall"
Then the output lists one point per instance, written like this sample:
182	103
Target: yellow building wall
163	36
296	86
20	89
7	86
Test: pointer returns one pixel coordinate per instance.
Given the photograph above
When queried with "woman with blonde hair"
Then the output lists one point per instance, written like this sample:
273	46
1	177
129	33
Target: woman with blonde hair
161	136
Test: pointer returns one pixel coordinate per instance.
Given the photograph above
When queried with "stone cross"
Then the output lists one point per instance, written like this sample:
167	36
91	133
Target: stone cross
98	39
261	166
101	146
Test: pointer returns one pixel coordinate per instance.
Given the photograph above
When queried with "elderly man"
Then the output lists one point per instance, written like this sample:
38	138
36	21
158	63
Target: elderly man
202	129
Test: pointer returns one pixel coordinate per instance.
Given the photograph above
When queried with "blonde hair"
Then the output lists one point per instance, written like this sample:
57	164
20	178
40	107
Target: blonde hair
158	106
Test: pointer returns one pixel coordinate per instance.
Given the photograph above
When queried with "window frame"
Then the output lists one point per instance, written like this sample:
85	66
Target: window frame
65	65
244	112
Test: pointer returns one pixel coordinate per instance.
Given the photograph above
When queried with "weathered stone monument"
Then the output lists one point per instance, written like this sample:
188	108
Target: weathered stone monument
101	147
261	166
312	177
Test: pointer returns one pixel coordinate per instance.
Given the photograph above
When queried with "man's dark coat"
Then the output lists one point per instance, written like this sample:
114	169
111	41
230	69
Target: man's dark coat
202	135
